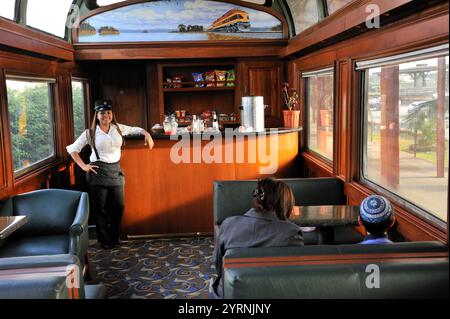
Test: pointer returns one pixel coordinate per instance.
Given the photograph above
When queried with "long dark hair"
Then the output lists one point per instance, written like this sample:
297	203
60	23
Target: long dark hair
95	122
274	195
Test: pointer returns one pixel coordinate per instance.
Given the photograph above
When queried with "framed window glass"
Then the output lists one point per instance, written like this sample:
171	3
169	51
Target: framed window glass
7	8
320	111
38	13
406	129
305	13
334	5
79	106
30	108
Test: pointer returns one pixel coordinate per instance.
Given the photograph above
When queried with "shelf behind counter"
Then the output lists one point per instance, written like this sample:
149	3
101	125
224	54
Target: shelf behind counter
169	189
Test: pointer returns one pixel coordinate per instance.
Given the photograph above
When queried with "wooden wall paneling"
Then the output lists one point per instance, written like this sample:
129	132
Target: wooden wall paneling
264	78
178	50
342	134
124	84
20	64
155	107
20	37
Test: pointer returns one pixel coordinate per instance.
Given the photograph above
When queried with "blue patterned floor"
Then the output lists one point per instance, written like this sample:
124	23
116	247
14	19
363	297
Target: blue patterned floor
155	268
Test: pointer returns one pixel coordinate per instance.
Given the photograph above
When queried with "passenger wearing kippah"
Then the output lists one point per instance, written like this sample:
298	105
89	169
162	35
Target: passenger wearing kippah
377	216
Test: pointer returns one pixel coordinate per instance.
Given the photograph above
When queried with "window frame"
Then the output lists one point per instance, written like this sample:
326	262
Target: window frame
52	85
413	208
321	70
86	98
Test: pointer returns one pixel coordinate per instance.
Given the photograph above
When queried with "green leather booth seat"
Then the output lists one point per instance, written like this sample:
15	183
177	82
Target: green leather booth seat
233	198
57	224
45	277
406	270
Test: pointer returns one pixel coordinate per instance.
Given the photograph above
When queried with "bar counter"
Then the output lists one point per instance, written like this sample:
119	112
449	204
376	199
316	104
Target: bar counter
169	189
162	136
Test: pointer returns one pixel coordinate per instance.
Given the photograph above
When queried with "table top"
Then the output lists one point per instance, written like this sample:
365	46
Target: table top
9	224
325	216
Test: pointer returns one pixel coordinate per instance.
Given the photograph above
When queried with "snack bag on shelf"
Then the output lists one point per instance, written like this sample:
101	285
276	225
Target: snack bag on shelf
230	78
198	77
210	78
221	77
176	80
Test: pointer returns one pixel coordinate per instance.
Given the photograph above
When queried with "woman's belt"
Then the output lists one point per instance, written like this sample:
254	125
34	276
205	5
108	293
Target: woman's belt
108	174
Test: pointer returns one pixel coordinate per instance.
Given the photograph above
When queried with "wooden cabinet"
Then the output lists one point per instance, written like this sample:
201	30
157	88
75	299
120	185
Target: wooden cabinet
264	78
251	77
195	87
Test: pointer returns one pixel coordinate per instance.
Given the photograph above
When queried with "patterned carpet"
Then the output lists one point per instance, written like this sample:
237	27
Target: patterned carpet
155	268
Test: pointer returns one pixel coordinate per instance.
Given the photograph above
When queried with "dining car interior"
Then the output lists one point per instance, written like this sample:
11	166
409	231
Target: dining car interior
224	149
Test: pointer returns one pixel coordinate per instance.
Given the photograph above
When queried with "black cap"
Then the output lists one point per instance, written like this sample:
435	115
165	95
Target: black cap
103	105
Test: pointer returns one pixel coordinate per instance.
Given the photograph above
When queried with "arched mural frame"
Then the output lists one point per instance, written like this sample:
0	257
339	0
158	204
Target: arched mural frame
275	14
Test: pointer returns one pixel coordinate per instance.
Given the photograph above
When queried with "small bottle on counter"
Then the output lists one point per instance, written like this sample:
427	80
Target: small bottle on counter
195	128
215	122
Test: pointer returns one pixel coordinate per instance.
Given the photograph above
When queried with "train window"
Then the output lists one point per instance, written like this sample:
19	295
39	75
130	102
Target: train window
79	106
38	18
334	5
31	121
320	101
102	3
7	8
304	12
406	128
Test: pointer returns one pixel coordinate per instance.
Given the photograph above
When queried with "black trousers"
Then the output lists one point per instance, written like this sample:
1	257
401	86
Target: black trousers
108	205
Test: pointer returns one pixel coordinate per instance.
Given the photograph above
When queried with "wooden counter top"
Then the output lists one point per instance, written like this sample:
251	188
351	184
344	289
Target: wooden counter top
159	136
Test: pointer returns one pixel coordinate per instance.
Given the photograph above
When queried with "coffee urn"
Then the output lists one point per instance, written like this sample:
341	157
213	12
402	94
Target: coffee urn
252	113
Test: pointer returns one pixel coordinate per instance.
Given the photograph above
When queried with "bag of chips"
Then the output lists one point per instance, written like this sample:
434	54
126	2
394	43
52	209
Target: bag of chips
210	78
198	77
230	78
221	77
176	80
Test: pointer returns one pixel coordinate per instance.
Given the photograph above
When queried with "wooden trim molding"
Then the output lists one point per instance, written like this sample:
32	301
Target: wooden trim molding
296	260
323	168
178	50
20	37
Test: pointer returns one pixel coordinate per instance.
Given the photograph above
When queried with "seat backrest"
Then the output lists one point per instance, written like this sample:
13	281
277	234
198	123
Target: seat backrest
233	198
49	211
41	277
406	270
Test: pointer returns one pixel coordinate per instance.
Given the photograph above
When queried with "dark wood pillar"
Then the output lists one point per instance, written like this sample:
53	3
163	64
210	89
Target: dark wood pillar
440	119
390	131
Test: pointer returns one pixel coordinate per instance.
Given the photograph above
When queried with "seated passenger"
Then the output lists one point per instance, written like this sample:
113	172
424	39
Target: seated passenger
376	215
264	225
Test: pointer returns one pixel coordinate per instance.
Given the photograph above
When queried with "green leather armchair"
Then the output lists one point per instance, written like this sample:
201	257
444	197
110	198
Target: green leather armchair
57	224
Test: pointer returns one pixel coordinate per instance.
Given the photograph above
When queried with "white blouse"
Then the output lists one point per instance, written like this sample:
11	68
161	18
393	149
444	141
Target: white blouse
108	144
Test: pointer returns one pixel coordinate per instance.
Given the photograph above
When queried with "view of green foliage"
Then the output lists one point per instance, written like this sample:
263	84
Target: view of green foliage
78	108
31	123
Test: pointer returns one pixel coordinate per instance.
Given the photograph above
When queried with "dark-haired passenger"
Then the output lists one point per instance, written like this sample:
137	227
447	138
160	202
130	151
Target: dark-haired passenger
377	216
264	225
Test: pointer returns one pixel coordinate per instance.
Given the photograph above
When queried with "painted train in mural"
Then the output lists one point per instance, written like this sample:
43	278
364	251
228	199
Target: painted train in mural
234	20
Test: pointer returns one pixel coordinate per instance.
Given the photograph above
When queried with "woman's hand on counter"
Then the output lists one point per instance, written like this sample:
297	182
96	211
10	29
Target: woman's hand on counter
148	139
